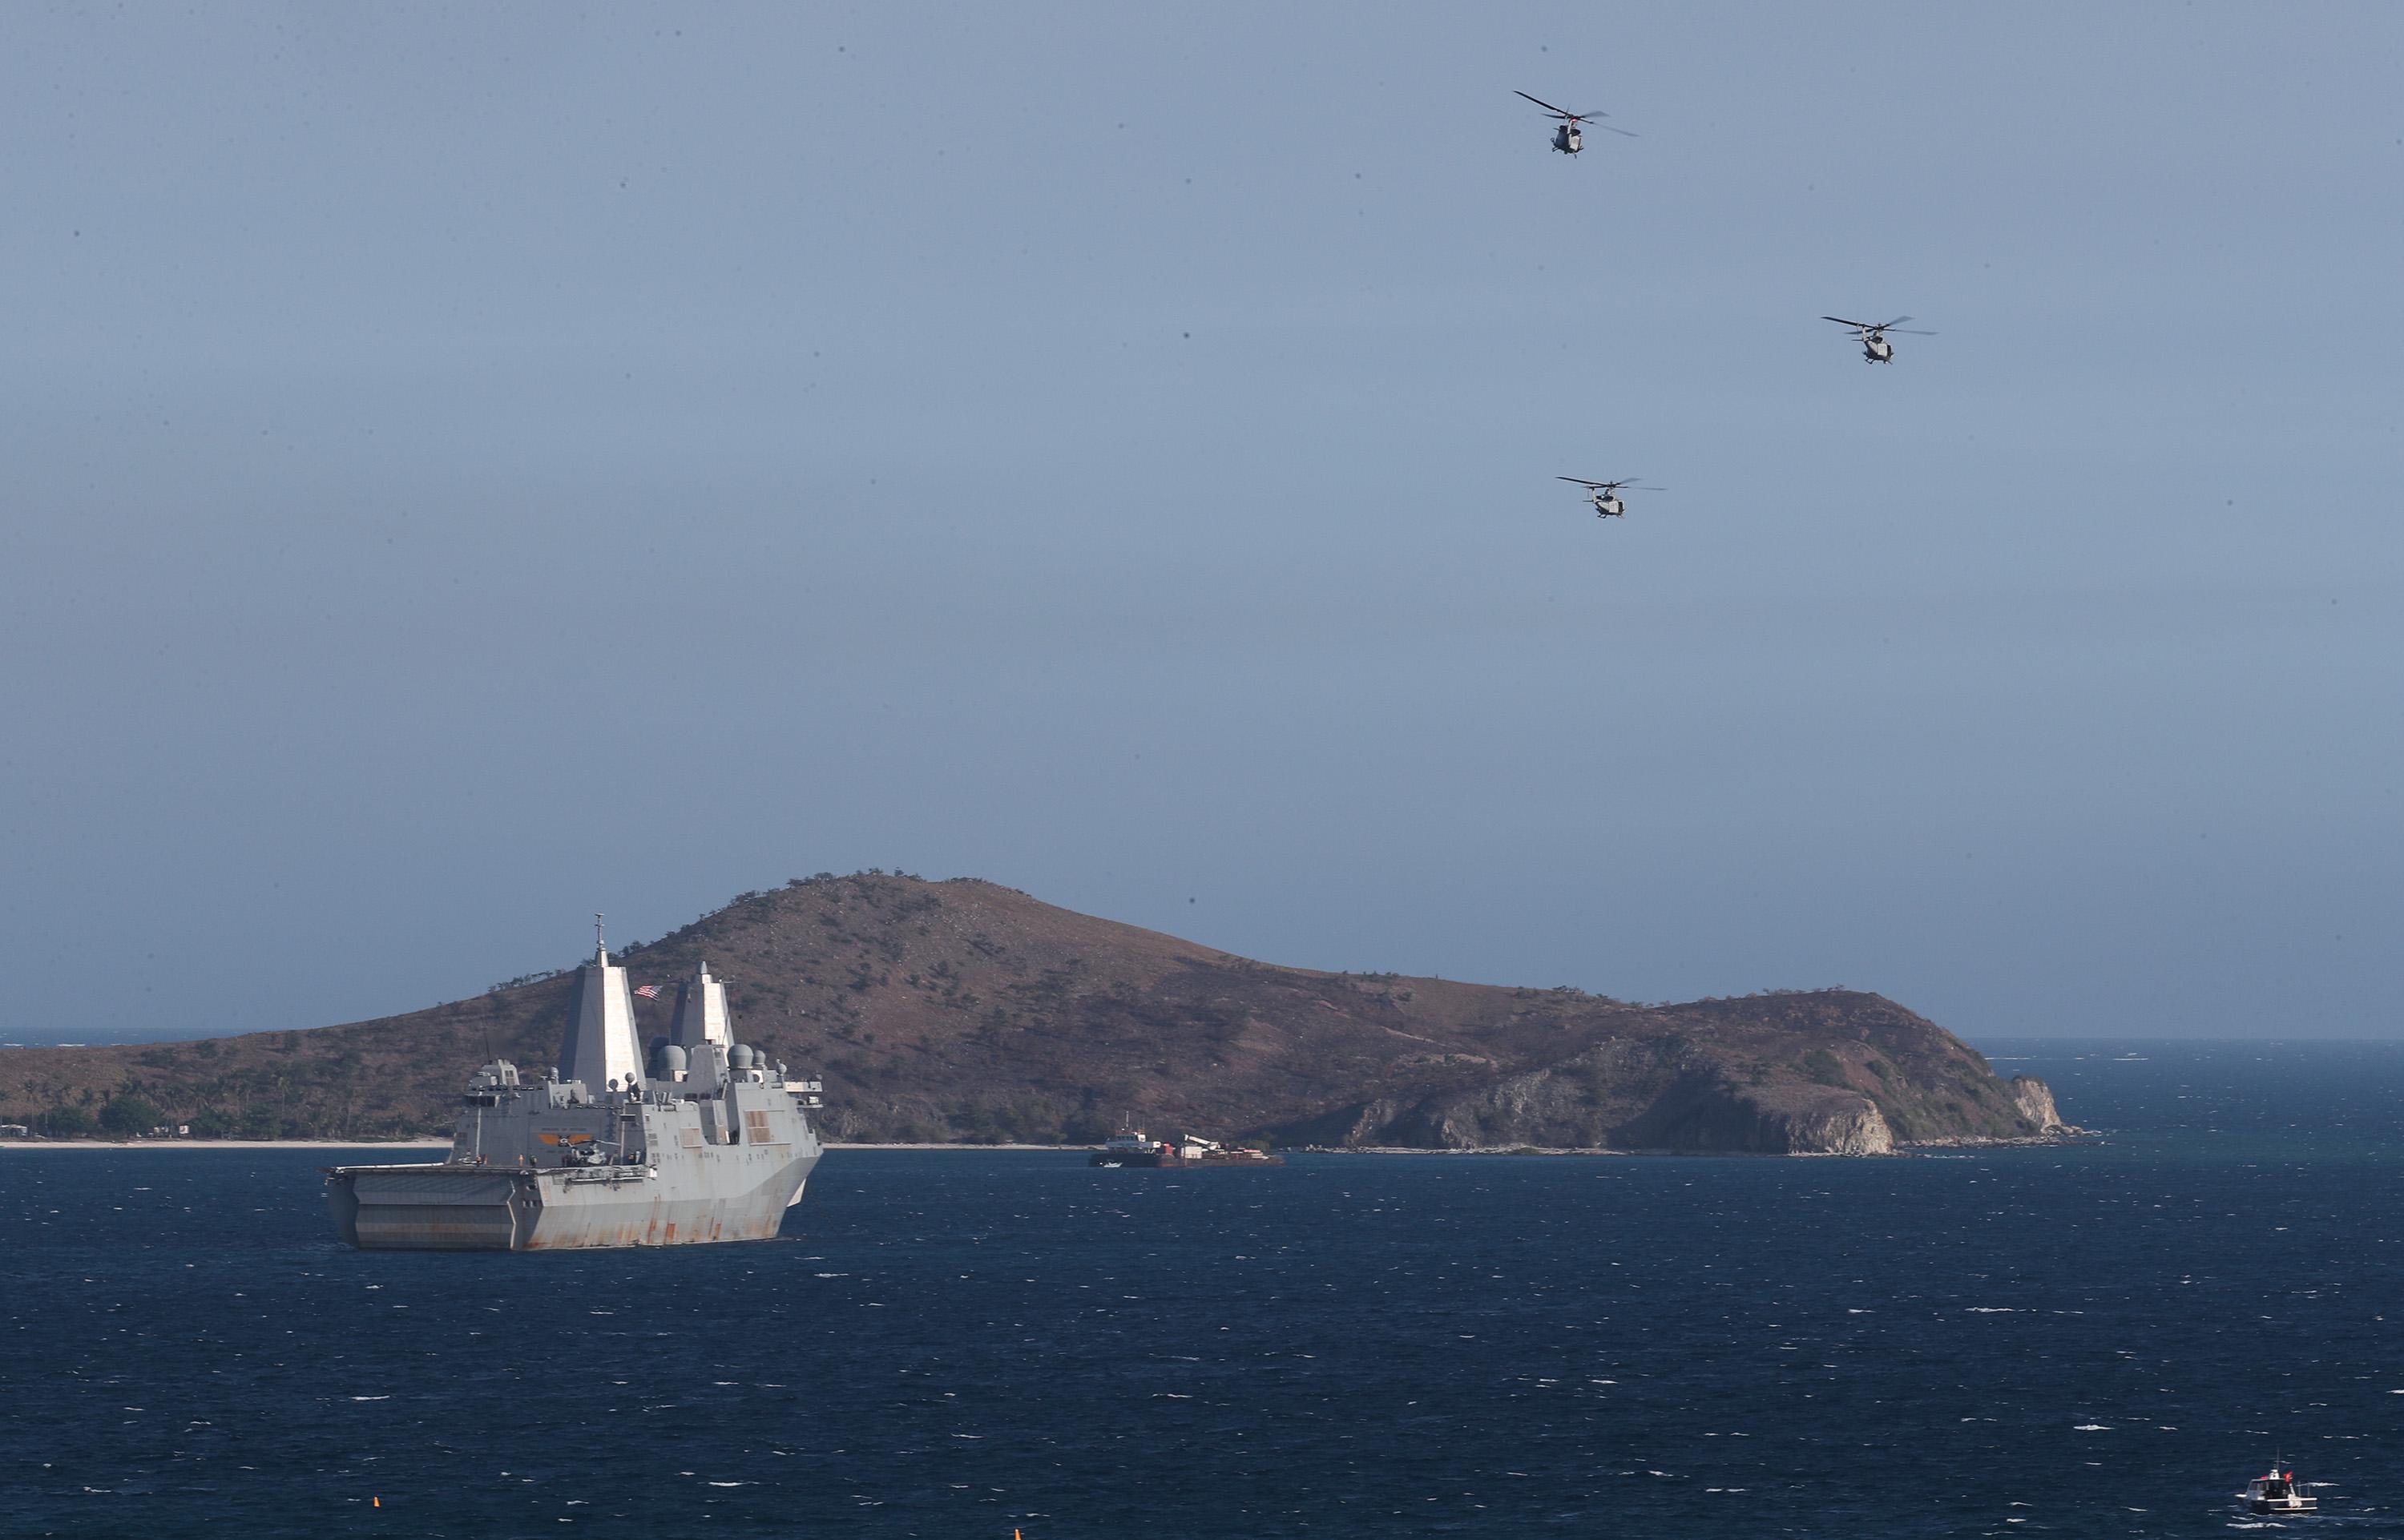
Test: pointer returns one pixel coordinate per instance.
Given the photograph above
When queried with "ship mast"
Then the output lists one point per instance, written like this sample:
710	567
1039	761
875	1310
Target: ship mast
601	1049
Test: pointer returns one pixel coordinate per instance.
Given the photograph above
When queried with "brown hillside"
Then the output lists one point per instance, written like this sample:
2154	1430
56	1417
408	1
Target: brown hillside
962	1010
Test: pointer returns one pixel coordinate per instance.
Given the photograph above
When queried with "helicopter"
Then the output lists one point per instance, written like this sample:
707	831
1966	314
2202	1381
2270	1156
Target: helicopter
1875	349
1566	138
1606	494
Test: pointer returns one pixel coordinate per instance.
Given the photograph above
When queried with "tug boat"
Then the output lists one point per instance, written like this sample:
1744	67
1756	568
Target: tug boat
1127	1147
2278	1492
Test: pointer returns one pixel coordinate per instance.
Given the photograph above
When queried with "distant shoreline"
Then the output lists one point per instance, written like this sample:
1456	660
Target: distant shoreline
7	1144
1914	1147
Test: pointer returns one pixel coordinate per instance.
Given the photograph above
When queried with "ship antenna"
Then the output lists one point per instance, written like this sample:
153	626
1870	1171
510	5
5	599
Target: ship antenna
600	948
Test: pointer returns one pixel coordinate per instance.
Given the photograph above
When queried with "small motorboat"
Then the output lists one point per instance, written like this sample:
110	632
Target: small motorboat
2279	1493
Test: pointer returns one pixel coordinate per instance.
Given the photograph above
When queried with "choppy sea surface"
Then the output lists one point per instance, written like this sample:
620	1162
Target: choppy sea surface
2098	1340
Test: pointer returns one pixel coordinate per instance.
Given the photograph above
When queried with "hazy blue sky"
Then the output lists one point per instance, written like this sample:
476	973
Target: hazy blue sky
467	467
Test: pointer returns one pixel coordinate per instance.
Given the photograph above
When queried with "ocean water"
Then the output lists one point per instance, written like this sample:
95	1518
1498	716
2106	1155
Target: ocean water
2098	1340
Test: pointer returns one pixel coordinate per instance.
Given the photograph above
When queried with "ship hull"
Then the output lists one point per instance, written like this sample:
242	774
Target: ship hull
742	1196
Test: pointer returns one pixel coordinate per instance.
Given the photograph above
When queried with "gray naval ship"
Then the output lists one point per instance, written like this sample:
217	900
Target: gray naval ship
714	1145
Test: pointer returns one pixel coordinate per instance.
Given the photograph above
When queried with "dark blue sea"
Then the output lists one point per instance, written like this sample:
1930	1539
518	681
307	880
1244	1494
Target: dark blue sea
2099	1340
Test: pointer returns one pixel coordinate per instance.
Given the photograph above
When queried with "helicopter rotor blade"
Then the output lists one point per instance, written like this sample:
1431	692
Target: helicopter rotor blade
1607	129
1857	326
1583	481
1897	321
1546	105
1907	331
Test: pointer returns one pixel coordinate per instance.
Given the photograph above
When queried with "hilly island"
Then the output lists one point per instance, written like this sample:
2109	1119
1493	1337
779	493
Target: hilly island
965	1011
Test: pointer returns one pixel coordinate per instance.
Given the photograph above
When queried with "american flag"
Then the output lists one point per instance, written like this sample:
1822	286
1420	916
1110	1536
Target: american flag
649	991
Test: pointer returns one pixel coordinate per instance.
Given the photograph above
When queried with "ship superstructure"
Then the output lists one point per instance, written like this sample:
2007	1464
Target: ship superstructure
715	1144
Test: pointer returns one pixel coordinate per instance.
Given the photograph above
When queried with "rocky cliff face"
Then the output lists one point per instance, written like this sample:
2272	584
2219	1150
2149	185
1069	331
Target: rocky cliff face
1858	1129
964	1011
1677	1096
2034	1100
